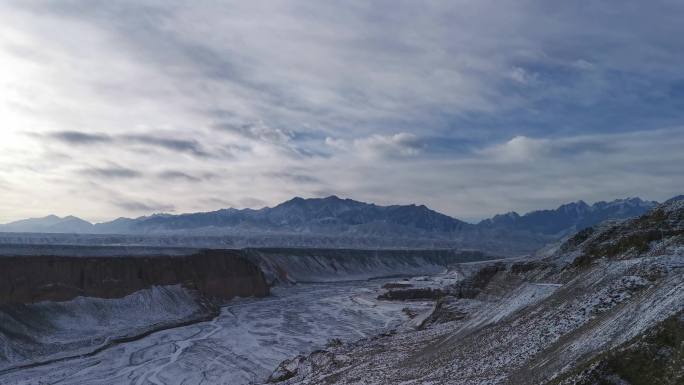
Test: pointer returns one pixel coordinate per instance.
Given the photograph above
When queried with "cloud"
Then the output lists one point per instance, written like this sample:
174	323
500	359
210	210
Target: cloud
112	172
142	207
251	202
470	107
177	145
519	148
77	137
523	173
522	76
293	177
381	146
192	147
257	131
525	149
178	175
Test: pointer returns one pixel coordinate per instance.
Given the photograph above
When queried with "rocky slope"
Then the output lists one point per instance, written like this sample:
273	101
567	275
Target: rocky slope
655	356
535	321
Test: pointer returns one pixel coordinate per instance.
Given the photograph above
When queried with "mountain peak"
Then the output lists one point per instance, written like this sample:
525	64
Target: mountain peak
570	217
675	199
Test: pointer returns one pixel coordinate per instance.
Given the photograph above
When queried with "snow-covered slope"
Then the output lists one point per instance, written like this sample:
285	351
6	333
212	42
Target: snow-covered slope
241	346
31	334
531	321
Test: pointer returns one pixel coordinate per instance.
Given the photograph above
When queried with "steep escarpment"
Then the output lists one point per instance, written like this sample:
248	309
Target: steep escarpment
290	265
28	275
216	274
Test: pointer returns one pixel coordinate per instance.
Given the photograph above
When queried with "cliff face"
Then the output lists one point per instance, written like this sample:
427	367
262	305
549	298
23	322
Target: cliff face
291	265
30	274
216	274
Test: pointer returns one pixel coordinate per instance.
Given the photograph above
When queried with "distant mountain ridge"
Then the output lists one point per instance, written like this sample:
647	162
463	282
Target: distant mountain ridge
304	215
49	224
569	217
333	214
329	222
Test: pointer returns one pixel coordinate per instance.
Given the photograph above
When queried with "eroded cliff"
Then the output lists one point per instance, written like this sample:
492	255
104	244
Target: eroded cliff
214	274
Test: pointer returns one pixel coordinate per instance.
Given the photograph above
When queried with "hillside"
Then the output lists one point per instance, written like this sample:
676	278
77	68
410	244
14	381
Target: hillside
608	298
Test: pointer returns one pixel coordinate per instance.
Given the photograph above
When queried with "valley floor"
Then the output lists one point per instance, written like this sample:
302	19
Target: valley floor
242	345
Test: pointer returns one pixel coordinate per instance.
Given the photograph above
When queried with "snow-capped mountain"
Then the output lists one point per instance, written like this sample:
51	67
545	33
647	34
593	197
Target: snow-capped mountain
331	214
569	217
336	222
318	215
49	224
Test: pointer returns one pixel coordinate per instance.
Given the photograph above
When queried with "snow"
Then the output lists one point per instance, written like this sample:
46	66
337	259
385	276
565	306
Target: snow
81	325
525	334
245	343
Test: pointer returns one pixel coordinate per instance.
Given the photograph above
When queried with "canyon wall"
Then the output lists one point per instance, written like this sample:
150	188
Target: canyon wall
292	265
35	273
214	274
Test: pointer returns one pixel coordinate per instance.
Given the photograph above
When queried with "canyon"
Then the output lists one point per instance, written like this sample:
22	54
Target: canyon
162	314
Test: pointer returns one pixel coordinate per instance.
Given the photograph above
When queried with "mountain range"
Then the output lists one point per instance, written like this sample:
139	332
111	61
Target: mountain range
336	216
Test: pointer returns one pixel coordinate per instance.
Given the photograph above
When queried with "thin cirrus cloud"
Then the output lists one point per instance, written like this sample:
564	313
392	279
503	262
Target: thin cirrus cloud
111	172
176	145
471	107
131	205
179	175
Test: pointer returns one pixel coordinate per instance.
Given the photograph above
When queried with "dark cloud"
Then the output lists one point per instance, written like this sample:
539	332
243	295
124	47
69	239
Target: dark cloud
293	177
178	175
78	137
179	145
112	172
218	201
247	202
583	146
192	147
146	207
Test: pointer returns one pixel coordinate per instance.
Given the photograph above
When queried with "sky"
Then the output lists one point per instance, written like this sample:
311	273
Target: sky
127	108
